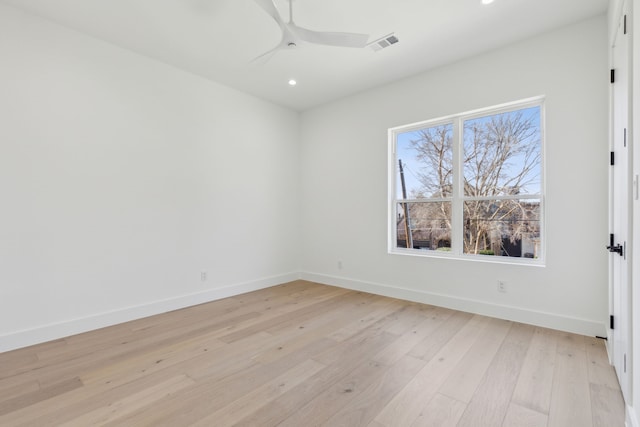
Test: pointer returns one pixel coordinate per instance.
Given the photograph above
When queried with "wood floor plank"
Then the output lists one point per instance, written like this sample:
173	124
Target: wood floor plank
433	343
380	308
17	383
491	399
130	403
570	395
67	368
18	389
25	357
569	344
94	395
26	399
284	345
215	391
408	317
519	416
440	411
261	396
63	408
319	409
428	326
364	408
340	360
304	354
301	333
305	312
346	350
284	308
348	305
150	361
608	406
404	408
600	371
533	389
465	378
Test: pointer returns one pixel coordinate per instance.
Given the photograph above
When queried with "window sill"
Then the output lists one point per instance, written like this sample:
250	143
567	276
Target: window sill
490	259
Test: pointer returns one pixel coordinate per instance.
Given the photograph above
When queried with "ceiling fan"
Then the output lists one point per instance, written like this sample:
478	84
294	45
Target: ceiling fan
292	34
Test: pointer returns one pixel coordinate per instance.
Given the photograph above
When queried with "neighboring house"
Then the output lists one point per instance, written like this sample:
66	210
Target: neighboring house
515	234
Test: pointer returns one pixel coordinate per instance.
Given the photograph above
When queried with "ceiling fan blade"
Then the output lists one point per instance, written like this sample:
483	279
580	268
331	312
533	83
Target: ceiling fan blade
269	7
329	38
265	57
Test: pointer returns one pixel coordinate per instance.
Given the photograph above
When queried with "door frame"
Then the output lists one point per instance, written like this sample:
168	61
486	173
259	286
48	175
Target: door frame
619	339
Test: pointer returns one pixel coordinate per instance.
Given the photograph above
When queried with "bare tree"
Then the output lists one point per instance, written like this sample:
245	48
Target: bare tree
501	154
431	222
434	149
501	159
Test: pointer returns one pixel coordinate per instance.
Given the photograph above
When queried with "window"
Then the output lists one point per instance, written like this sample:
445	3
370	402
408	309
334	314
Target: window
470	185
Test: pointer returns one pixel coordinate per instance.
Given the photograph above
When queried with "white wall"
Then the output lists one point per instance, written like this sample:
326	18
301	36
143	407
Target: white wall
122	178
344	176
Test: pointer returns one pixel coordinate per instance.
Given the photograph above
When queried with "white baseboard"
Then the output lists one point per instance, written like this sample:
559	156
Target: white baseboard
66	328
63	329
516	314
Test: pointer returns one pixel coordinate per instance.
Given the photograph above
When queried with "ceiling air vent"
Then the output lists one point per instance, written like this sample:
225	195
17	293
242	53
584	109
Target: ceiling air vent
383	42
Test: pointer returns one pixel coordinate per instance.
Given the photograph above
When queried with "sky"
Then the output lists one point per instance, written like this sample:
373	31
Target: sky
412	167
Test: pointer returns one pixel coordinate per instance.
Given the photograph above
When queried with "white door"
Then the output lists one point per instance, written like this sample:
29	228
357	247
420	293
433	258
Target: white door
620	209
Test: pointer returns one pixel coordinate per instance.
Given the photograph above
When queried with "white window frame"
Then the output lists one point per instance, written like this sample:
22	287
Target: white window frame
458	197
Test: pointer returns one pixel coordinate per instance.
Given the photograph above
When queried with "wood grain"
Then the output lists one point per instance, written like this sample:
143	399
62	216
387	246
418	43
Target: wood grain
304	354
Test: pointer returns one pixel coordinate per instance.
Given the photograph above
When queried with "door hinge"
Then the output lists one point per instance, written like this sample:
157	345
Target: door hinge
611	324
625	24
612	159
613	75
625	137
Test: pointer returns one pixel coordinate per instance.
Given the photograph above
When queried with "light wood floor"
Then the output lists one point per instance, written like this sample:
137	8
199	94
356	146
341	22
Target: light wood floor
303	354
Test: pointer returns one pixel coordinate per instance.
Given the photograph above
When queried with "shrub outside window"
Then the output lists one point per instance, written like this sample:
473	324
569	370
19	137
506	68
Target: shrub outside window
470	185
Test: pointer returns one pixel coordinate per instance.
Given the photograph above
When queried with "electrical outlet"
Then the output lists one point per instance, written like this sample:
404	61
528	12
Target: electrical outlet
502	286
203	276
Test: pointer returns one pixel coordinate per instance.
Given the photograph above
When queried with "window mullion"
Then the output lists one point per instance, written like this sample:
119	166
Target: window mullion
457	228
493	203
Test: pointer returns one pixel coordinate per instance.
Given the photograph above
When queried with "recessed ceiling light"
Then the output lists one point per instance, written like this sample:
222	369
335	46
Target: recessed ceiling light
487	1
292	82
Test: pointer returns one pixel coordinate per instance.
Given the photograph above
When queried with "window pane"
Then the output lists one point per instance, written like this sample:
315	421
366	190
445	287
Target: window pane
502	154
428	228
426	156
502	227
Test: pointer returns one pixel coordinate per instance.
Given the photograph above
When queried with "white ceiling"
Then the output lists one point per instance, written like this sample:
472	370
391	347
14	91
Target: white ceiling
217	39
